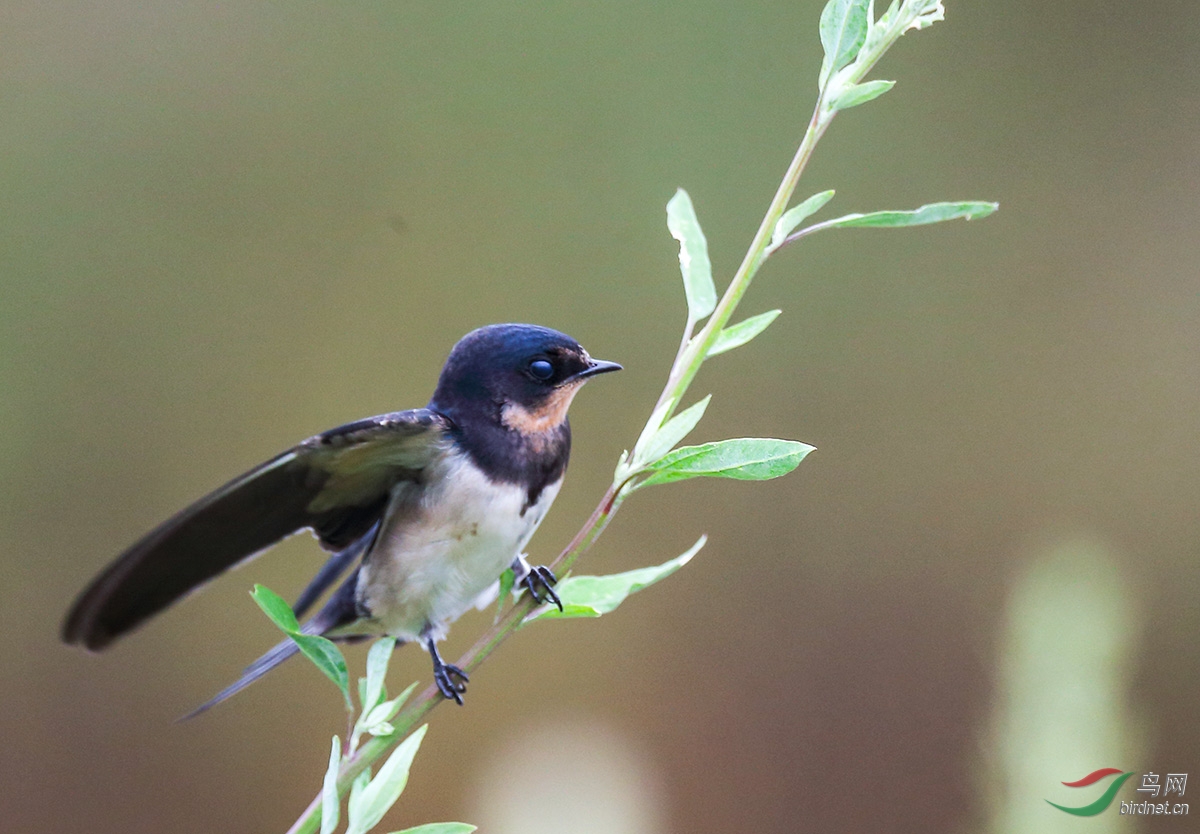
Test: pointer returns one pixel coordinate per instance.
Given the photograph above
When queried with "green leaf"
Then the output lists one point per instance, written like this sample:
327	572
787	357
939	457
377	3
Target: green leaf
328	658
897	20
844	25
630	463
356	790
885	19
592	596
275	607
330	805
693	256
932	213
508	581
856	94
376	721
570	611
745	459
376	798
796	215
675	429
323	653
928	12
377	664
738	334
439	828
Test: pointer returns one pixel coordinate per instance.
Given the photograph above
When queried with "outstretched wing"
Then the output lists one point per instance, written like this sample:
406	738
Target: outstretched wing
336	484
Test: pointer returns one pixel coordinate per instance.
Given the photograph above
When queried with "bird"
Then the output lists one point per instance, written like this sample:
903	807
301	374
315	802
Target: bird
430	506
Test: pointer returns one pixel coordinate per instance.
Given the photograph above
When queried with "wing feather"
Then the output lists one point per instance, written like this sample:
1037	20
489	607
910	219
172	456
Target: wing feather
336	484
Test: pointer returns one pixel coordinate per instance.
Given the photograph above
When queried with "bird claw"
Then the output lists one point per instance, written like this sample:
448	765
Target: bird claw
451	681
540	583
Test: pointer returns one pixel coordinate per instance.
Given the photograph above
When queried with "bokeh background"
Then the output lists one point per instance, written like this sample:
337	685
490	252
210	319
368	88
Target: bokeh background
227	226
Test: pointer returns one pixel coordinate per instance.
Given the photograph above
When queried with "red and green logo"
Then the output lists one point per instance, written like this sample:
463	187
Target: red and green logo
1105	799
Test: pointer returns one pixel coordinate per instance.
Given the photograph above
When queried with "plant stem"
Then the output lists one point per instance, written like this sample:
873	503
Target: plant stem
688	362
376	747
693	356
692	353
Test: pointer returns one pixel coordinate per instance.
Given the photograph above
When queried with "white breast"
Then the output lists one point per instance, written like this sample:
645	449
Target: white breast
432	562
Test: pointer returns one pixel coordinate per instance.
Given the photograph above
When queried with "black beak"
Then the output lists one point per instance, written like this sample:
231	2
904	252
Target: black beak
598	366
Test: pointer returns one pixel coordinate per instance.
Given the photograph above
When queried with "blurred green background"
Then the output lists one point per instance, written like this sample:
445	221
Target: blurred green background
224	227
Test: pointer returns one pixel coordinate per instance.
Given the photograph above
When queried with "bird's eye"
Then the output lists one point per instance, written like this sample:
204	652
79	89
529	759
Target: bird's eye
541	369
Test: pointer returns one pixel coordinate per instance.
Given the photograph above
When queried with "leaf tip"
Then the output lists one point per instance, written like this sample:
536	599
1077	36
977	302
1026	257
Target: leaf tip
696	548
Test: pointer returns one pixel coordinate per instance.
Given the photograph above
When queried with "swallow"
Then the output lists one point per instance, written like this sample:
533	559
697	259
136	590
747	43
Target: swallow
430	506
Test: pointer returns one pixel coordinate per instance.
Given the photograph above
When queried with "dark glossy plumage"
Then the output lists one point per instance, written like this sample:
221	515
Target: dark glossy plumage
335	484
367	490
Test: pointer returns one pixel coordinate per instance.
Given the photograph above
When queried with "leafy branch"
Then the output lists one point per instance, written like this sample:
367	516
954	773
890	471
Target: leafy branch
853	40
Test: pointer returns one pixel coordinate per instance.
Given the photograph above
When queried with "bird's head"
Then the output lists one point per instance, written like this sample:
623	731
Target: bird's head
530	373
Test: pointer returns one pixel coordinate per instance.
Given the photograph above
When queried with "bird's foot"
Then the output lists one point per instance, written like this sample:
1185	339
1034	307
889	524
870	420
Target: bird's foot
540	581
451	681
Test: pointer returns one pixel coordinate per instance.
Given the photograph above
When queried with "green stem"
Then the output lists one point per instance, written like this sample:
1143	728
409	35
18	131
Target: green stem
697	351
692	353
690	357
376	747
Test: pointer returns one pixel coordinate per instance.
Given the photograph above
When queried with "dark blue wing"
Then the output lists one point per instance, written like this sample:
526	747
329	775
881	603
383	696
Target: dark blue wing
335	484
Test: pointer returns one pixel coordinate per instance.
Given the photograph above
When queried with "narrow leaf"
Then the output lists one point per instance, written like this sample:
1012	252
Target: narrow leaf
885	19
932	213
928	13
745	459
376	721
571	611
659	415
693	256
628	465
508	581
354	802
330	805
276	608
856	94
323	653
844	27
797	214
383	791
592	596
624	468
738	334
677	428
327	657
898	19
377	664
439	828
